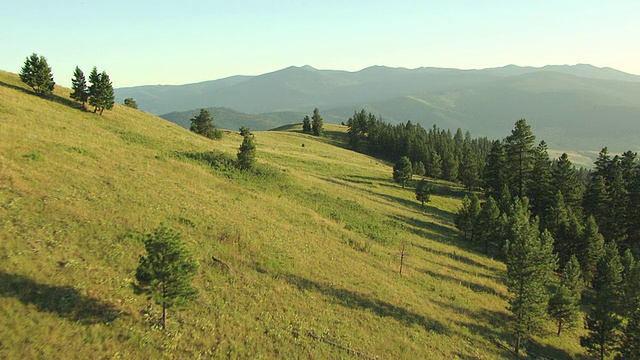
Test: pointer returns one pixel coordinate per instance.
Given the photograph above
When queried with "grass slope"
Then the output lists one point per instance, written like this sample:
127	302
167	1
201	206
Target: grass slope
313	240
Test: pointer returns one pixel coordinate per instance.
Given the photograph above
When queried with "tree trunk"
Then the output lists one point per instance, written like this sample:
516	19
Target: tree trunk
559	327
517	349
164	308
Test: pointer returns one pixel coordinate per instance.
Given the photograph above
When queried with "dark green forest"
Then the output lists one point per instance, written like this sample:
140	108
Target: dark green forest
555	226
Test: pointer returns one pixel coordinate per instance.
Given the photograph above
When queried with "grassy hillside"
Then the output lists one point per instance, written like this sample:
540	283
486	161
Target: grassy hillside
313	240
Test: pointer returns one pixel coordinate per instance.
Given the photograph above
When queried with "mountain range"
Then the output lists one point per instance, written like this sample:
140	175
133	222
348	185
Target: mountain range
578	108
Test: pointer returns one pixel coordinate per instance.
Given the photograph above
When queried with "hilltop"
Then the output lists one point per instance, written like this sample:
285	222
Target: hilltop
574	108
312	239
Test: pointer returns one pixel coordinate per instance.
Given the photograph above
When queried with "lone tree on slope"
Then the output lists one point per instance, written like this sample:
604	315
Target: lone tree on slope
165	273
402	171
423	191
37	74
247	153
203	125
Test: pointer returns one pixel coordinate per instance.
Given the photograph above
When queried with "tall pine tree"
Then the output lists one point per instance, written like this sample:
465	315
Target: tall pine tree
530	266
37	74
520	155
79	86
602	320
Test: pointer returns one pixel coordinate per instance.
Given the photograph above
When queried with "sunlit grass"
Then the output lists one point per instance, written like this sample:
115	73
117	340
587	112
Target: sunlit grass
313	240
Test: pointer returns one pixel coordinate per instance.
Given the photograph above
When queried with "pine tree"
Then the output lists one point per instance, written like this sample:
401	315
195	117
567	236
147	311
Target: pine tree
165	273
316	123
564	304
203	125
402	171
449	166
519	150
101	94
129	102
418	168
466	220
434	168
423	192
37	74
489	225
630	338
630	284
79	86
494	176
540	189
468	170
306	124
530	265
593	249
247	153
602	321
566	182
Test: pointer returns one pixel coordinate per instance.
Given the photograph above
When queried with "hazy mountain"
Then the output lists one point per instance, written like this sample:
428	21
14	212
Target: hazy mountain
579	107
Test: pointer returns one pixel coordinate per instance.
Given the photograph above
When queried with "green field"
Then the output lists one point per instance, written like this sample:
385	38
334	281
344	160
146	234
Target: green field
313	240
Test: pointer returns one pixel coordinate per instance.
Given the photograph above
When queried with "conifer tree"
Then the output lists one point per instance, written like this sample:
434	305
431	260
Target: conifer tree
37	74
100	91
494	176
540	190
79	86
434	168
418	168
566	182
630	284
130	102
203	124
165	273
466	220
402	171
306	124
593	249
450	167
468	170
602	321
564	304
519	151
489	225
316	123
247	153
530	265
630	338
423	191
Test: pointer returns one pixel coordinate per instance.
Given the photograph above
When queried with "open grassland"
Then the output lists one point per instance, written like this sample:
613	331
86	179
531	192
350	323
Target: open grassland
313	240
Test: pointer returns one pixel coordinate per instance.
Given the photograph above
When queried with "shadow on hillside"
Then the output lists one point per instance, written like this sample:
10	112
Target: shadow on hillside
64	301
336	138
427	229
354	300
493	275
53	97
477	288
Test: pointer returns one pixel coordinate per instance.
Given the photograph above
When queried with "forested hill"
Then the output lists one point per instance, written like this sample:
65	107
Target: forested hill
298	257
573	107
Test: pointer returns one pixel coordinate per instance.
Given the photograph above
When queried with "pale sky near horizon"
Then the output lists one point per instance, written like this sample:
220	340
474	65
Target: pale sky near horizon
168	42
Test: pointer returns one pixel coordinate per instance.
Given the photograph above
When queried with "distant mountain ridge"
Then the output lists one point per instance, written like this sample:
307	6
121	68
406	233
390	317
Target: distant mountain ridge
579	107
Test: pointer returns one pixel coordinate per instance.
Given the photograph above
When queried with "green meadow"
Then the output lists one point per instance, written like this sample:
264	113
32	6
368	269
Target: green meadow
312	239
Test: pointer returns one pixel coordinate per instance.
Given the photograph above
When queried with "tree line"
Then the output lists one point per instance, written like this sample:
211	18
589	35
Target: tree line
434	152
37	74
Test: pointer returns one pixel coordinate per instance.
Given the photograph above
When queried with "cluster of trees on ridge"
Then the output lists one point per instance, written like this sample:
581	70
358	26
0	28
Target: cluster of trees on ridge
569	236
313	125
37	74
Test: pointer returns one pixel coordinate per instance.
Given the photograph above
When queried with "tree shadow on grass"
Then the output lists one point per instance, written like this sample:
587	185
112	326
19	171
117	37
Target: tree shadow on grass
53	97
354	300
64	301
430	230
475	287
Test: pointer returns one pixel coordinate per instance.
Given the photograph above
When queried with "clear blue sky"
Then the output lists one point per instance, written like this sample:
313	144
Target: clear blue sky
178	42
